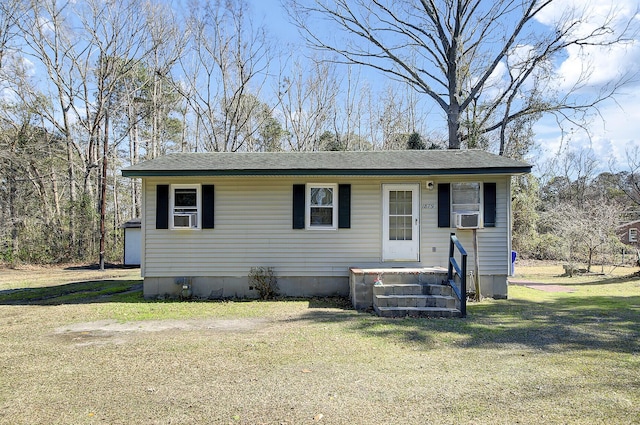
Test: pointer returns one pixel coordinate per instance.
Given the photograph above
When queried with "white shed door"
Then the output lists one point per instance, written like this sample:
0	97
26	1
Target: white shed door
401	222
132	246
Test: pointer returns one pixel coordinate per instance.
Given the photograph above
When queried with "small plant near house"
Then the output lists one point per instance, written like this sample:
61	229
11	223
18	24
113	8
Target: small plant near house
263	280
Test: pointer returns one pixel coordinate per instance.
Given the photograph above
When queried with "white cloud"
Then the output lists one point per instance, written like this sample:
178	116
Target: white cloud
620	128
45	25
611	133
15	66
616	125
594	65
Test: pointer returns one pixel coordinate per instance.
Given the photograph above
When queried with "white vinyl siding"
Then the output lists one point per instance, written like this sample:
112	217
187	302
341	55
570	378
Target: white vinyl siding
493	242
254	228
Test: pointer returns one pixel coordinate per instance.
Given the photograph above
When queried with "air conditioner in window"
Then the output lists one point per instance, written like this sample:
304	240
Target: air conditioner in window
185	220
468	220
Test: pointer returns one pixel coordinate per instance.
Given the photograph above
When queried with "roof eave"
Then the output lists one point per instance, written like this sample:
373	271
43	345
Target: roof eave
326	172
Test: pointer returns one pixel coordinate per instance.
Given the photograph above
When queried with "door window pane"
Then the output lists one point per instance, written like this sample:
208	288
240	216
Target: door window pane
400	215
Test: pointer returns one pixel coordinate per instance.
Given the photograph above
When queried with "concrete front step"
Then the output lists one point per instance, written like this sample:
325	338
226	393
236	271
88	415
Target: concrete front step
416	312
363	280
441	301
412	289
420	300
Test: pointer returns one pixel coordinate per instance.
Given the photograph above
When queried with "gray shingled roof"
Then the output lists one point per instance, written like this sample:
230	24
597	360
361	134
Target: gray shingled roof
429	162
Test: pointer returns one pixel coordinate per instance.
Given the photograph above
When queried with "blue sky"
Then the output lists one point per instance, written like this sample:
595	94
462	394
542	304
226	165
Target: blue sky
613	129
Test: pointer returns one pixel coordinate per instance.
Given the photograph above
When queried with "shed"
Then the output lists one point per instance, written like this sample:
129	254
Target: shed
132	242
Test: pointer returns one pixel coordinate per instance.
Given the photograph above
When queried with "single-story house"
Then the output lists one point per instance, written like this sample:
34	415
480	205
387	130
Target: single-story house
208	218
629	233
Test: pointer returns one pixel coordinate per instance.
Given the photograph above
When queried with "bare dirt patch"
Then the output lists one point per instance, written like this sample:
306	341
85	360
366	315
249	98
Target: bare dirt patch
221	325
104	331
546	287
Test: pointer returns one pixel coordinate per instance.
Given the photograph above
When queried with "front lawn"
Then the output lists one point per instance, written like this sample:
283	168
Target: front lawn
86	350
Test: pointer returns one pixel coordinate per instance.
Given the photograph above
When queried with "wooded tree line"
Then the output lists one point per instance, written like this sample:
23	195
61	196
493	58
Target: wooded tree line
572	211
89	87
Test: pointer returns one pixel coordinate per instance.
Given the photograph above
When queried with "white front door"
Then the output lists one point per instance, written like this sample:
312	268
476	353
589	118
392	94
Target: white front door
400	222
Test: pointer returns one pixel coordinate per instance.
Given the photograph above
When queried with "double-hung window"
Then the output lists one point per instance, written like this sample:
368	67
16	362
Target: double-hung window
321	206
633	235
185	206
465	205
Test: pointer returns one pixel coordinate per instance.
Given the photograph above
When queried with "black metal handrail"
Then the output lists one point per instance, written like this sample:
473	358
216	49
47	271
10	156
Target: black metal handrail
460	271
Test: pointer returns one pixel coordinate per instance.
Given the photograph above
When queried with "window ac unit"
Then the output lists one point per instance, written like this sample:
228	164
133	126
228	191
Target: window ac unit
468	220
185	220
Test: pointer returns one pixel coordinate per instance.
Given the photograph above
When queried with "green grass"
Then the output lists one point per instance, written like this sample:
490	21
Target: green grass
97	352
552	272
91	291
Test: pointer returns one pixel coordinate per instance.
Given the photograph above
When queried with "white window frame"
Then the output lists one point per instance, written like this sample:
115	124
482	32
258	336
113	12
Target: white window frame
470	208
172	206
633	235
334	206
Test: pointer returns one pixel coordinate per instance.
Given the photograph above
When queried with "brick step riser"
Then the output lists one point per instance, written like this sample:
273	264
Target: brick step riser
412	290
441	302
382	312
407	279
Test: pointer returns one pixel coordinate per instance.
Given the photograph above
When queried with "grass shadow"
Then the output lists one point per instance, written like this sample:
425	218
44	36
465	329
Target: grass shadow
565	323
610	323
84	292
107	266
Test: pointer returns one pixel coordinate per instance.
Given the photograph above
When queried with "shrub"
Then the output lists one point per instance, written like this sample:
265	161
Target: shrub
263	280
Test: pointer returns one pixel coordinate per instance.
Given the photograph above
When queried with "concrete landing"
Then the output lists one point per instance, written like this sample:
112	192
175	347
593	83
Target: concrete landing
362	281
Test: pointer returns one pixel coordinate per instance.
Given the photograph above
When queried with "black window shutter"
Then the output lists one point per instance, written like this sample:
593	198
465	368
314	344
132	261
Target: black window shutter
444	205
162	206
298	206
208	206
344	206
489	204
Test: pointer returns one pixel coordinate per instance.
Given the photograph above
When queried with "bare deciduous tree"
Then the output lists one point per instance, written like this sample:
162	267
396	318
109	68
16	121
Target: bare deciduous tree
585	229
465	53
11	12
117	34
225	66
306	98
85	50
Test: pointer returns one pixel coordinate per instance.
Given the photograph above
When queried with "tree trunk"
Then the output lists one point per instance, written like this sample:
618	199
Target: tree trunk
13	215
453	123
116	206
54	187
134	158
72	197
103	188
38	182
